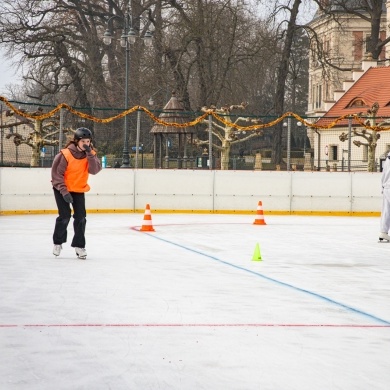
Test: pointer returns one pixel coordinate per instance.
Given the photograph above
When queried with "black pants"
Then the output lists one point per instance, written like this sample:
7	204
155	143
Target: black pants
64	214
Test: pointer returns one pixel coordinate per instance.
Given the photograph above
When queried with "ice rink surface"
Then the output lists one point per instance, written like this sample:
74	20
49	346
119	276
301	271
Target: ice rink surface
186	307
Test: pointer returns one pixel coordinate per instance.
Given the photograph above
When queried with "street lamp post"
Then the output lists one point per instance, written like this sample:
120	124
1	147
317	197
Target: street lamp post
126	156
128	38
301	125
288	125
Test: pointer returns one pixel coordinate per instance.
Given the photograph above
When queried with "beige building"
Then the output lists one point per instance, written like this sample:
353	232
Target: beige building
355	88
341	41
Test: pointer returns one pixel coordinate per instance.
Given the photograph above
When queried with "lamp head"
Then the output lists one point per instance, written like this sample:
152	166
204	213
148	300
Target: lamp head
131	36
148	38
107	37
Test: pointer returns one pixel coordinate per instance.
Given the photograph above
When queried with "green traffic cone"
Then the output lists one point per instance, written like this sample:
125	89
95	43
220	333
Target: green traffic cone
256	253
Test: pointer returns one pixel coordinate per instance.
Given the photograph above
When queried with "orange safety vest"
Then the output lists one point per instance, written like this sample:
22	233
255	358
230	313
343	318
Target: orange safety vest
76	174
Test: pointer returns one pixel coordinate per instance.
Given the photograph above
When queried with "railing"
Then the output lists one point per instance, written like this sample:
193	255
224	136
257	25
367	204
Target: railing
338	149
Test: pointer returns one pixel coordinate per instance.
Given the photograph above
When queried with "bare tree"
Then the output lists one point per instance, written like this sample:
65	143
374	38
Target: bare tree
43	33
287	38
209	46
226	134
370	136
202	49
43	134
297	83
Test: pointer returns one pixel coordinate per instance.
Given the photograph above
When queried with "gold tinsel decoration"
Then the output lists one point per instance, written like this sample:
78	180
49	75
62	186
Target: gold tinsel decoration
361	121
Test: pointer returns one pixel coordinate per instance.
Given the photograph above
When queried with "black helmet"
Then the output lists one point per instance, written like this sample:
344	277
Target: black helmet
82	132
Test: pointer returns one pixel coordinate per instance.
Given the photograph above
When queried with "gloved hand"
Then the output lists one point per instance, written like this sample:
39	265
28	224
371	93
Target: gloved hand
68	198
87	148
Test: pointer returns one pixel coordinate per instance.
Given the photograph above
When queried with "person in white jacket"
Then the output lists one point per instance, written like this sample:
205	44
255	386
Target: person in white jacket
385	214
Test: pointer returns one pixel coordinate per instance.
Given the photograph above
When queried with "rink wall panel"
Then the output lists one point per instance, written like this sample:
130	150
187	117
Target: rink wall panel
174	189
28	190
241	190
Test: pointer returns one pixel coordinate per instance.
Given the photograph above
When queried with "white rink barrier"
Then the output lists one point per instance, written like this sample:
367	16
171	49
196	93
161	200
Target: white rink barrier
28	190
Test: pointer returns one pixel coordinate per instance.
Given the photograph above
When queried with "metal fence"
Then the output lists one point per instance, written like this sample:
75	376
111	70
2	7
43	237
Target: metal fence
304	148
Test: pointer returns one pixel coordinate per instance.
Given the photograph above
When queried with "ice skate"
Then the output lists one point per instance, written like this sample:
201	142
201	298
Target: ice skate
384	237
57	250
81	253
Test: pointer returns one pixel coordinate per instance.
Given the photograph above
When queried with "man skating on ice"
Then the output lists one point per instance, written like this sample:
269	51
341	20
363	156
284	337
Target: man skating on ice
69	174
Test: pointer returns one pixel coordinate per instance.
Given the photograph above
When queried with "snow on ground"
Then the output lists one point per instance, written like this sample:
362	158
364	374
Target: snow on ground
186	307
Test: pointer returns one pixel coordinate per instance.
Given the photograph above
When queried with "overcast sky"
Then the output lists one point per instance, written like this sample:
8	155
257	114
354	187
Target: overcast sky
7	74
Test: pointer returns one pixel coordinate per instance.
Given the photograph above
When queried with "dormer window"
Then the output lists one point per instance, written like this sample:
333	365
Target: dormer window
357	103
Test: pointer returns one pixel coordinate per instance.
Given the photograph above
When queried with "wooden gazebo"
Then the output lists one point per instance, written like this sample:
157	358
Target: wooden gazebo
173	112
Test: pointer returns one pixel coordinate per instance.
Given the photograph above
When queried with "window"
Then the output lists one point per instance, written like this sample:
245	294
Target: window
380	39
368	43
365	152
358	103
357	45
313	95
327	91
325	45
333	152
317	94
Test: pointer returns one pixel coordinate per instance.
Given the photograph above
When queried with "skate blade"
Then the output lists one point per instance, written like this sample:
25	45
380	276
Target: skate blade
82	257
383	241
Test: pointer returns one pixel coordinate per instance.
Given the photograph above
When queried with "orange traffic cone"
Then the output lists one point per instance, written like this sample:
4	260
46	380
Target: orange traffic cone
259	220
147	225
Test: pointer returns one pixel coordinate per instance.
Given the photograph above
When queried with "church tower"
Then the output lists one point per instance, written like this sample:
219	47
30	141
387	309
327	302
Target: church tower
342	41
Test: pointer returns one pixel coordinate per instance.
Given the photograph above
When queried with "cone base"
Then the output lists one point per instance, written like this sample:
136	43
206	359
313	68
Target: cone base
146	229
259	222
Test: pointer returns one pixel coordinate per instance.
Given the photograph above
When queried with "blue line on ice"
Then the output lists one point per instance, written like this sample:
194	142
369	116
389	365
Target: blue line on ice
344	306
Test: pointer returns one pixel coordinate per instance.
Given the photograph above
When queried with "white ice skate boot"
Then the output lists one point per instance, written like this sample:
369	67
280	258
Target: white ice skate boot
384	237
81	253
57	250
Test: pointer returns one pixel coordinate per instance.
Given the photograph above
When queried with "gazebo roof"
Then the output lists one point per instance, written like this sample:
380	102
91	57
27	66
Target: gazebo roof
174	113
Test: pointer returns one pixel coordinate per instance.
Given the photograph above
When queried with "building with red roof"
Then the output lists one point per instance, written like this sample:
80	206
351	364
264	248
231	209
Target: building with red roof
349	144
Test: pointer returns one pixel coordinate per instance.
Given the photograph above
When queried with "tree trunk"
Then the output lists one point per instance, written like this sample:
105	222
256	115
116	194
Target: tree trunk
225	155
375	39
282	74
161	98
36	144
180	81
371	155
